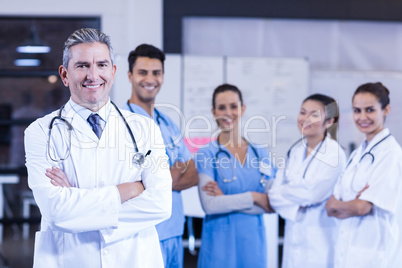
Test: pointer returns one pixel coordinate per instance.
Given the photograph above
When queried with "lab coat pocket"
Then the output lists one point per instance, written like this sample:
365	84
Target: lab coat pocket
48	249
365	258
318	248
217	241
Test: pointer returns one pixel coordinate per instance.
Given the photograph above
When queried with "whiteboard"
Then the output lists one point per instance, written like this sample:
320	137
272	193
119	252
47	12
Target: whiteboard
201	76
342	84
169	97
273	89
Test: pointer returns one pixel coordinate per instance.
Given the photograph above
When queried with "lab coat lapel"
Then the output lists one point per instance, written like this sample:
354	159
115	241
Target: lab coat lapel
112	128
81	129
376	139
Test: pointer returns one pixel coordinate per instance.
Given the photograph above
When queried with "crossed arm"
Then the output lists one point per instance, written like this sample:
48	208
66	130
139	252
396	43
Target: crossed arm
343	210
184	175
126	190
212	197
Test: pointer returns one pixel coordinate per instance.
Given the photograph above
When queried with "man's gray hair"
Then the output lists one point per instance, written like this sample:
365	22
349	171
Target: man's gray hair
85	35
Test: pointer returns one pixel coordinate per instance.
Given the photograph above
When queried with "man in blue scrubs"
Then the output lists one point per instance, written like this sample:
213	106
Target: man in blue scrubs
146	73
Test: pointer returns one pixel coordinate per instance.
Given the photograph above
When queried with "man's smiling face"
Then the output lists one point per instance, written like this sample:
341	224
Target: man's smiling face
146	79
89	75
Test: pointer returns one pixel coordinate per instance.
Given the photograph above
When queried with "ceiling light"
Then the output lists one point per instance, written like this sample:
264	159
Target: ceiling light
27	62
33	44
33	49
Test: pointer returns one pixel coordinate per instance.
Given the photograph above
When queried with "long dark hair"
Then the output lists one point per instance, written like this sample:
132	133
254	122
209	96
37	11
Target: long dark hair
223	88
331	111
378	90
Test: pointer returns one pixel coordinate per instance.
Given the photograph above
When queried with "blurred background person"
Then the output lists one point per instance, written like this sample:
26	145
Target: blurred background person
367	198
301	189
232	175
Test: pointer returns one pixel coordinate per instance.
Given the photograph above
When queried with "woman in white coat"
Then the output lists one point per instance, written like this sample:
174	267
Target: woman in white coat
301	189
368	197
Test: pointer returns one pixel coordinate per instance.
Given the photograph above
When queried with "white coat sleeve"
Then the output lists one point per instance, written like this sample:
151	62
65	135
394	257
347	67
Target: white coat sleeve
318	184
385	180
66	209
152	206
307	193
284	207
223	203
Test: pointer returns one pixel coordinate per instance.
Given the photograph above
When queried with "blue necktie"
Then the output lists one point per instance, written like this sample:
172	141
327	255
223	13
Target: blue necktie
94	121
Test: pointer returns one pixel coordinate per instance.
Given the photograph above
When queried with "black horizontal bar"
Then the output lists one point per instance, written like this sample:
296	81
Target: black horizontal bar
12	122
15	170
28	73
7	221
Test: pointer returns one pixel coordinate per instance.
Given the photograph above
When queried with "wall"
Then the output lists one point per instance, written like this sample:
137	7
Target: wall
176	10
128	22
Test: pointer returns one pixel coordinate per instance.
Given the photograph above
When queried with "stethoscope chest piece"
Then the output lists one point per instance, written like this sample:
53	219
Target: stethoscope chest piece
138	159
229	180
263	181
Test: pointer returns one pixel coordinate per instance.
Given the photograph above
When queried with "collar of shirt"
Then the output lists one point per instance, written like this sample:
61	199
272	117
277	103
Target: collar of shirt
364	145
382	134
85	112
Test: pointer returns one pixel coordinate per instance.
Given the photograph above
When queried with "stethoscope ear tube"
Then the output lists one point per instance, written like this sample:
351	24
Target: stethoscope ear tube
226	180
127	126
308	164
138	158
69	128
368	153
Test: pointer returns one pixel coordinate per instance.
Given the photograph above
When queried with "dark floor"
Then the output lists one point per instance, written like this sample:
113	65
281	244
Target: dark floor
18	253
190	261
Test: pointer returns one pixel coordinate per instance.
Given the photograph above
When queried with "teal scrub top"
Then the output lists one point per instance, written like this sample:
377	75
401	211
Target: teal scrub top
176	151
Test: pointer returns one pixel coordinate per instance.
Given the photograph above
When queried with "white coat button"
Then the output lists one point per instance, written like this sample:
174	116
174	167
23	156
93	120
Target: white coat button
102	183
105	252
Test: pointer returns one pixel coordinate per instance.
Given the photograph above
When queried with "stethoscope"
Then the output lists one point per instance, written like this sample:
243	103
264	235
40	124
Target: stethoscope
138	157
158	119
309	162
368	153
263	180
357	189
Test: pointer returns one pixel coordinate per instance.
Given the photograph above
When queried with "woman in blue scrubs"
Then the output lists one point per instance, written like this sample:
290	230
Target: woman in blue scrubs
232	175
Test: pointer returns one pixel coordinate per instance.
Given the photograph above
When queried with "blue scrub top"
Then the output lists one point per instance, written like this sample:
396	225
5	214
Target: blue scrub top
233	239
177	151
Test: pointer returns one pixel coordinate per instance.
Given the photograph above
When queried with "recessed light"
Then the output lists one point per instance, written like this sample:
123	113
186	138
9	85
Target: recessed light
33	49
27	62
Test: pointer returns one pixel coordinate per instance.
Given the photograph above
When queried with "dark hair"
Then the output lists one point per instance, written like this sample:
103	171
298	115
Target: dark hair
378	90
331	111
85	36
148	51
223	88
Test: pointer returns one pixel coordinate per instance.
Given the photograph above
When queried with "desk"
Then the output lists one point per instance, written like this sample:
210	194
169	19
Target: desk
5	179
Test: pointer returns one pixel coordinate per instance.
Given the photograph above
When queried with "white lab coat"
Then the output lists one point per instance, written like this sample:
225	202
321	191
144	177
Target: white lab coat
309	232
373	240
86	225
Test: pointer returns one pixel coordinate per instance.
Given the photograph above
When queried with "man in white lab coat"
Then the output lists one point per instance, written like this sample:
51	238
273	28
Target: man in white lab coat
99	175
